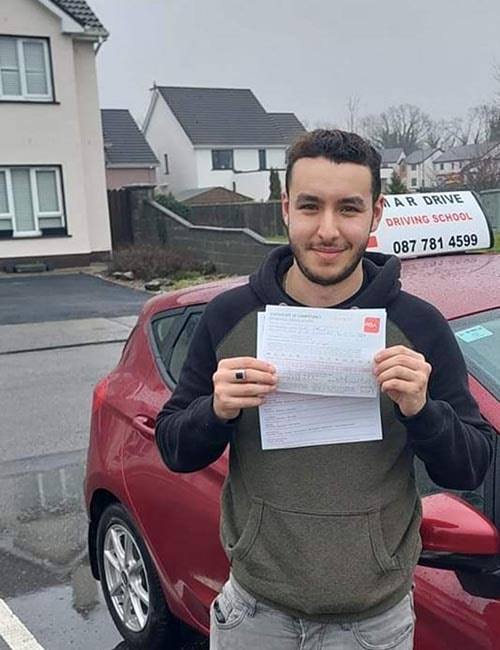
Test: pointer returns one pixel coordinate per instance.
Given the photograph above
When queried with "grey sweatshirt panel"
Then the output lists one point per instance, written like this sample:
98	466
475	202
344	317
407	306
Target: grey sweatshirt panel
330	532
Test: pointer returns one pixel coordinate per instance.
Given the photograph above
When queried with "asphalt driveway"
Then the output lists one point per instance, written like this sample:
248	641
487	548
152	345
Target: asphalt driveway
42	298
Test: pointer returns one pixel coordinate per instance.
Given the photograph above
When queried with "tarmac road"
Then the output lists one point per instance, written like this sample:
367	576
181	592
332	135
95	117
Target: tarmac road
58	336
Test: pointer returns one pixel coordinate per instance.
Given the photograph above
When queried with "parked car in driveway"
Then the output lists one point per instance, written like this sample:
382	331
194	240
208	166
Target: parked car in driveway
154	534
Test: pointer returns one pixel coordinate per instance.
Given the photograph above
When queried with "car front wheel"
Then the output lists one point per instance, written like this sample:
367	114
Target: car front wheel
131	585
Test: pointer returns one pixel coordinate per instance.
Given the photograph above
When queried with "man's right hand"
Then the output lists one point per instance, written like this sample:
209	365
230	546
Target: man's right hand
232	394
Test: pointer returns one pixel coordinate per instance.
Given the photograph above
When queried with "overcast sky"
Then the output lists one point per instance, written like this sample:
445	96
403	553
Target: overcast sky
305	56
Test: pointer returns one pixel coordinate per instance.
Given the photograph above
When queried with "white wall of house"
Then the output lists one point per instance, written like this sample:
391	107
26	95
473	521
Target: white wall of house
256	184
448	167
276	158
166	136
428	177
385	176
246	178
208	177
246	159
422	174
91	146
67	133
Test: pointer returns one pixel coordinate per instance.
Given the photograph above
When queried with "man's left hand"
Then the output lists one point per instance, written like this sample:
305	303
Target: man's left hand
404	375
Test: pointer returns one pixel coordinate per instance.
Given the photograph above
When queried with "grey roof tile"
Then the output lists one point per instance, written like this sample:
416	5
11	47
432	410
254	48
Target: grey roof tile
124	143
80	11
391	155
466	152
288	124
418	156
222	116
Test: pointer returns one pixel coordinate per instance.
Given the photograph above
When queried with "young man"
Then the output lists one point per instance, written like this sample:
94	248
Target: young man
323	540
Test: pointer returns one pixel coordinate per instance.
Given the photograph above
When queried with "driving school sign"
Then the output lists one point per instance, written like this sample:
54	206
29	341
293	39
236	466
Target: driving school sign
430	224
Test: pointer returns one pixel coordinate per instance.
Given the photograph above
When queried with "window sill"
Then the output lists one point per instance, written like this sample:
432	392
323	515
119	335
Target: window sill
44	236
30	101
29	235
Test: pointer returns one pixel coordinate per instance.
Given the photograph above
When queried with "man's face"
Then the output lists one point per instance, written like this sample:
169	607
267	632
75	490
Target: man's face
329	214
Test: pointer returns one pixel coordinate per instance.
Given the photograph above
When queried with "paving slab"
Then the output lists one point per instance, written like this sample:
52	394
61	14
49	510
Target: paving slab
66	333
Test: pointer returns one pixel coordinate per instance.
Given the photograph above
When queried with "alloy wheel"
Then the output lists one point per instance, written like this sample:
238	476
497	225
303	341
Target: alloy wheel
126	578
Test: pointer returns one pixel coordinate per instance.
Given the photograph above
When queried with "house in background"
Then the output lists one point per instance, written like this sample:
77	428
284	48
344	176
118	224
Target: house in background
217	137
393	160
449	165
211	196
53	204
420	168
129	158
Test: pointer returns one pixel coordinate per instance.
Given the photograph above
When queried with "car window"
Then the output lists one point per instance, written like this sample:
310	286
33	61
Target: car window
426	486
181	346
479	339
163	326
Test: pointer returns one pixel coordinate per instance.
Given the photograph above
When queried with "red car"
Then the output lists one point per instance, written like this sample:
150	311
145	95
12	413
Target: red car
154	534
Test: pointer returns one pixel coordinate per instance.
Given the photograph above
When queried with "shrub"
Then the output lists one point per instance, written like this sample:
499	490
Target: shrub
171	203
148	262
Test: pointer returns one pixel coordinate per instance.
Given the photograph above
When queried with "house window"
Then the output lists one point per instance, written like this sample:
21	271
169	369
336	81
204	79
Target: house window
413	168
31	202
262	159
24	69
222	158
165	158
414	182
441	166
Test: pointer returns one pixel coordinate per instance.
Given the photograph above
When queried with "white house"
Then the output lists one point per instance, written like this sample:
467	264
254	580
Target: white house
449	165
217	137
393	160
420	168
53	204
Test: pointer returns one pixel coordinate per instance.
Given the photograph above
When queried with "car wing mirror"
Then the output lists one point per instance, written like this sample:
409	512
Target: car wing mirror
458	537
451	525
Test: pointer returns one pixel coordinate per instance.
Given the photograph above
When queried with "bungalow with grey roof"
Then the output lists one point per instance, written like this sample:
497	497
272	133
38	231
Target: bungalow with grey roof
217	137
449	165
129	158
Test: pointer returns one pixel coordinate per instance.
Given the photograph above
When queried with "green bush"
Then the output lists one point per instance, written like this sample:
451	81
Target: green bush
171	203
148	262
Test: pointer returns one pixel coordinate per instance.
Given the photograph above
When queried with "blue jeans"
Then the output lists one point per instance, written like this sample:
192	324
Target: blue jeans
239	622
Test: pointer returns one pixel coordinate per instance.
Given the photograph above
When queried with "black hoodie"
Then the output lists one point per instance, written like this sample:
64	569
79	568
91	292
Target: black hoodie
328	532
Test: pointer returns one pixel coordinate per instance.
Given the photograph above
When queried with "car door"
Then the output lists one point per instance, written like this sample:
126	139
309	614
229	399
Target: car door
178	513
448	616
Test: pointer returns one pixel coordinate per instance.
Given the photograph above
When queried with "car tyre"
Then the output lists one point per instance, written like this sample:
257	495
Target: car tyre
131	585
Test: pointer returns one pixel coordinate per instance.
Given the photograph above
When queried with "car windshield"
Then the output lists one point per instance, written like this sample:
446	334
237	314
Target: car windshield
479	339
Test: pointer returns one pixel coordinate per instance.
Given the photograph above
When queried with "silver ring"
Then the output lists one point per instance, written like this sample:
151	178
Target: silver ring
240	375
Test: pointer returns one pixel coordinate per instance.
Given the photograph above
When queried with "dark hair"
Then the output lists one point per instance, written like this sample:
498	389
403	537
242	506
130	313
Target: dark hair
337	146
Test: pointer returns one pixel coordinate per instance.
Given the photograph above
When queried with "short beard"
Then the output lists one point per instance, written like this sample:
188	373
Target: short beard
331	280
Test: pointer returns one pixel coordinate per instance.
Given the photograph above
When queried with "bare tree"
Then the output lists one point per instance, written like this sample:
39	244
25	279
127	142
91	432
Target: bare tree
311	125
352	113
481	124
482	174
405	126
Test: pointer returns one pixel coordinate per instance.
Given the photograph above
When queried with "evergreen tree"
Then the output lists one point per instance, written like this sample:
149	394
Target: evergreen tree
396	185
274	185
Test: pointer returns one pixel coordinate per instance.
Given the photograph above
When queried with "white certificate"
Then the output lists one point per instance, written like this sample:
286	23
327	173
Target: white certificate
290	420
324	351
